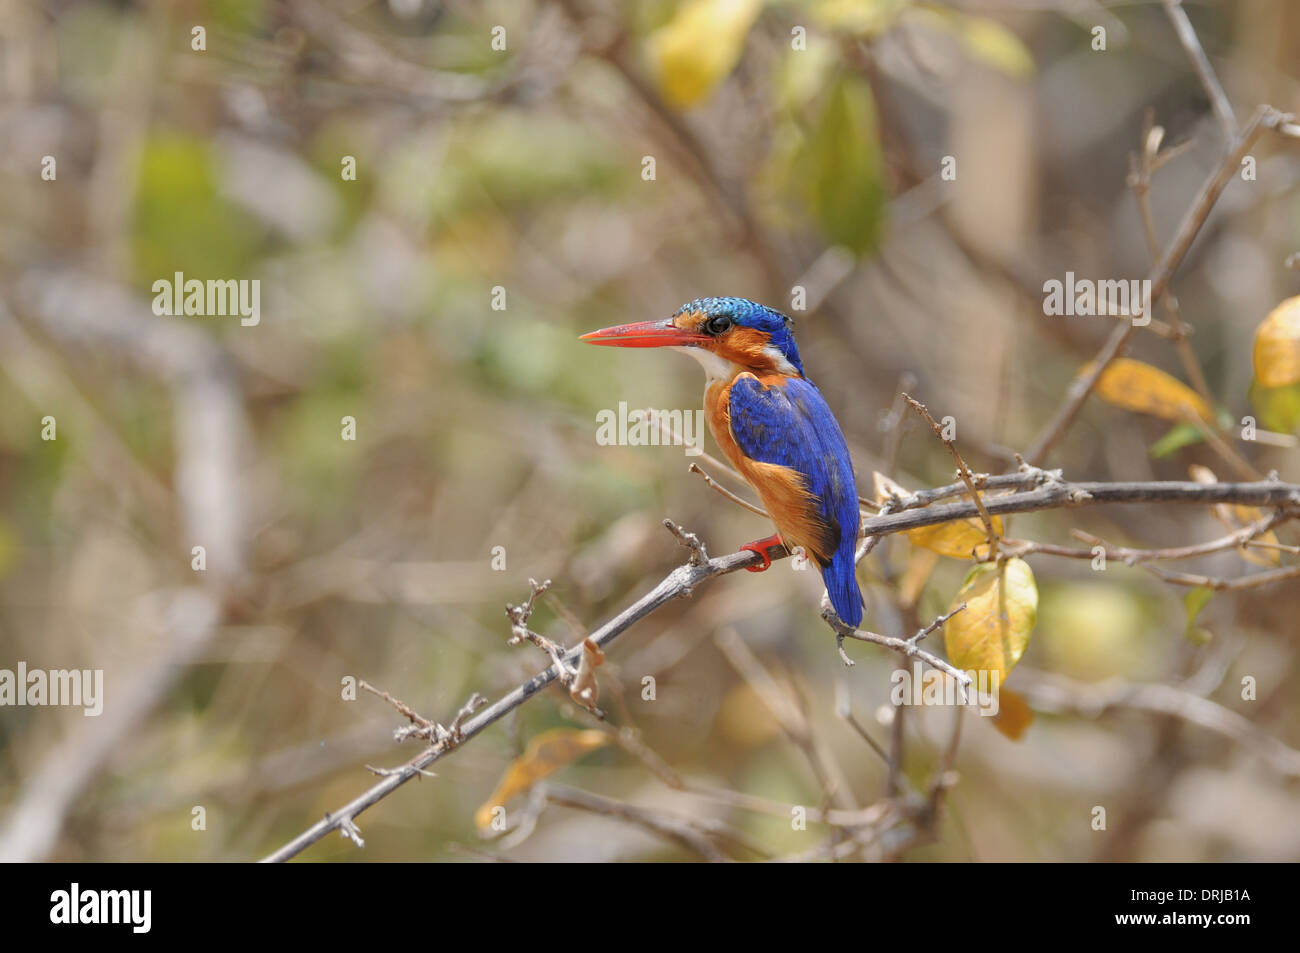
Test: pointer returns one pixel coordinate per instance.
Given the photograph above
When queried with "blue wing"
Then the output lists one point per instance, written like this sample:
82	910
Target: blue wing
790	425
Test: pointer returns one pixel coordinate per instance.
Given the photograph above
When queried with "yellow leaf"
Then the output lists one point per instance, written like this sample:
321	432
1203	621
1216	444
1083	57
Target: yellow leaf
863	18
1148	390
1277	346
991	633
1014	714
956	539
546	754
699	47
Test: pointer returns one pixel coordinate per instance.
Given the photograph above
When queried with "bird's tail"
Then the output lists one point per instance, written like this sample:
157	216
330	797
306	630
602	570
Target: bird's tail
841	580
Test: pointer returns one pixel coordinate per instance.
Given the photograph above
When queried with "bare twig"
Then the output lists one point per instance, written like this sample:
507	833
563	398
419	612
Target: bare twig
963	471
714	484
699	555
844	709
791	718
1056	693
1253	581
695	834
907	647
1131	557
1144	165
1201	63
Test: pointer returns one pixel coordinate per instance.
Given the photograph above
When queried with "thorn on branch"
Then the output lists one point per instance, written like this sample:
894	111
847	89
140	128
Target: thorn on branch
421	727
519	616
411	714
1040	476
473	704
699	555
347	827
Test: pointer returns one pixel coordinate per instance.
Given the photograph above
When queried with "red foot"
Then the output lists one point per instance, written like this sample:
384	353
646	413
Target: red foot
761	546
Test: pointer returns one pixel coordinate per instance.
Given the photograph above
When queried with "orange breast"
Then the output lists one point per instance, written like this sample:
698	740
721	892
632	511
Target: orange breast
782	490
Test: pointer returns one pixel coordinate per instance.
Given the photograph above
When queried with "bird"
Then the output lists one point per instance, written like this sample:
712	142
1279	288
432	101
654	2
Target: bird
775	427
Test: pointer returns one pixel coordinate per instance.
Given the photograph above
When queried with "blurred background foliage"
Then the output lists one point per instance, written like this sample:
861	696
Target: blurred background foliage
793	144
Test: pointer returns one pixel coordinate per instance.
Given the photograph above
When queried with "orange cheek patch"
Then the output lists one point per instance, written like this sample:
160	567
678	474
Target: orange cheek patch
690	321
744	346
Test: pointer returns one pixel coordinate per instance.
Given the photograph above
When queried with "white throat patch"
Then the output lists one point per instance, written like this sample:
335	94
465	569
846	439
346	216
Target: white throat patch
715	368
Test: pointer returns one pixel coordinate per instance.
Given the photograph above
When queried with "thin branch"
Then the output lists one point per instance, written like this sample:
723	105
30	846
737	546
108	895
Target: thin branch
714	484
1056	693
1151	158
906	647
695	834
1201	63
844	709
1253	581
699	555
788	714
963	471
1065	494
1131	557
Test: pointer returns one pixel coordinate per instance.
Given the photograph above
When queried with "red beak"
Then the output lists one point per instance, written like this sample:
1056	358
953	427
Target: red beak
644	334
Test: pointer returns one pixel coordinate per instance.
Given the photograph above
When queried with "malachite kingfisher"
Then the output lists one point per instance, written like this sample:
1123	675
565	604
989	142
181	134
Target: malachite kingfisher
774	426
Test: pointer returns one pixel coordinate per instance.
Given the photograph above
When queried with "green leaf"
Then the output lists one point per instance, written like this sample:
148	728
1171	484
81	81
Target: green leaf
846	190
1177	437
1278	407
180	221
1194	602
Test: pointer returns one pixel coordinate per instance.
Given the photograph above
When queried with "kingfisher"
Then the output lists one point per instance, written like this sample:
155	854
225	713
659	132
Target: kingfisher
774	426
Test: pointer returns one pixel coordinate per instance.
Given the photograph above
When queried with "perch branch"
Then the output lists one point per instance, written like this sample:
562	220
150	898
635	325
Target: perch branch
1057	493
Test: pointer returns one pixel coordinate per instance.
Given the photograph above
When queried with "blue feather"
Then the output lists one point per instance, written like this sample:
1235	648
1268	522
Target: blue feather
789	424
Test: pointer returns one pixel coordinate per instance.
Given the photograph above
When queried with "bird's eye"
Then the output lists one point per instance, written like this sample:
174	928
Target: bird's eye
717	324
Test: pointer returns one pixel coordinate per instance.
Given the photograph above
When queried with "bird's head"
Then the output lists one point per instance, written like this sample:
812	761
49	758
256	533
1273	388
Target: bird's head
721	333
